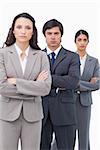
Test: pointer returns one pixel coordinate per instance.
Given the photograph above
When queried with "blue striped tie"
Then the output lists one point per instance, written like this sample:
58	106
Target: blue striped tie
53	57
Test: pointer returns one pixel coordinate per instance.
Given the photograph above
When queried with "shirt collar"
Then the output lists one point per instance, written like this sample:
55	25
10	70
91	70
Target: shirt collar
84	57
19	51
49	51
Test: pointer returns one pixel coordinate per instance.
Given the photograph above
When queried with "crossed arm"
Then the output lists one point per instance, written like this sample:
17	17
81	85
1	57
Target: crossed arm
18	88
94	83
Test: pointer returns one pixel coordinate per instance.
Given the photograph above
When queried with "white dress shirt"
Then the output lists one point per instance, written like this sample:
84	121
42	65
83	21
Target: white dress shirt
22	62
82	61
55	51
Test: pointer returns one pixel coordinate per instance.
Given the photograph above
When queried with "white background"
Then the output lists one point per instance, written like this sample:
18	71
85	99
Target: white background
74	15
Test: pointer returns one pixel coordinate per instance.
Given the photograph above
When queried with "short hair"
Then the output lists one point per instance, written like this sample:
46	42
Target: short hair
81	32
11	38
52	23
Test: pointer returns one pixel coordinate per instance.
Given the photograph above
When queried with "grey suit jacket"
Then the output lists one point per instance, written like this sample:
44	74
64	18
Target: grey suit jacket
91	69
27	92
60	102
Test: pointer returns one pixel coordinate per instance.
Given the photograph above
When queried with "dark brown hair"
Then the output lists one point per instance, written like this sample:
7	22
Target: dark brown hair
81	32
11	38
52	23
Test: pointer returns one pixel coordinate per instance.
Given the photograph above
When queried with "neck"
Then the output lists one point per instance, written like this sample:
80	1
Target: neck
81	53
53	48
22	46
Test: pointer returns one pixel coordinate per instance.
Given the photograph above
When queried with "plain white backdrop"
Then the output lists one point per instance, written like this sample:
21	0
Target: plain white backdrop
74	15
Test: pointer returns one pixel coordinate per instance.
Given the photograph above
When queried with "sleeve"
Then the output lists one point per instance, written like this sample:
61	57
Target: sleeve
7	89
36	88
86	85
70	80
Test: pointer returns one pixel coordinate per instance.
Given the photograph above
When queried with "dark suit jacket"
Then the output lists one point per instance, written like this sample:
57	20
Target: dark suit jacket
60	102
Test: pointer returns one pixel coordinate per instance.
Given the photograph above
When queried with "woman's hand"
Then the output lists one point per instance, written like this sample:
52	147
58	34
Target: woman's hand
94	80
12	81
42	76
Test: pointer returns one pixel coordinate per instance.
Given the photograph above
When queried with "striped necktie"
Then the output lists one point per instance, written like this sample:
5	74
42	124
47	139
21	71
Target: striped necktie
53	57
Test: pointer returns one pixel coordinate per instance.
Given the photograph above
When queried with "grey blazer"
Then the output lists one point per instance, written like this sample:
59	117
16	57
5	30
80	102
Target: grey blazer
27	92
60	101
91	69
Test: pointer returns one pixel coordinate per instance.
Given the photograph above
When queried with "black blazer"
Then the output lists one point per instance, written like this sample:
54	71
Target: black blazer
60	103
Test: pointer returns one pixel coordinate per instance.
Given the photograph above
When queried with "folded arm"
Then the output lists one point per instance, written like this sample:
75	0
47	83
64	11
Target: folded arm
94	83
24	89
70	80
39	87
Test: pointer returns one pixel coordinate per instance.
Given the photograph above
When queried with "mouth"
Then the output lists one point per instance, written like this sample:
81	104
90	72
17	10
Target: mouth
22	36
82	46
53	42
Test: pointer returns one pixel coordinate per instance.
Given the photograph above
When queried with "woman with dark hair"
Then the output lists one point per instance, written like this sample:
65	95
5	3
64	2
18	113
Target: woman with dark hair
24	78
11	37
89	81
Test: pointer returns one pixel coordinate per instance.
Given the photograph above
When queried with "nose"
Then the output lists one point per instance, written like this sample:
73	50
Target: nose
53	36
23	30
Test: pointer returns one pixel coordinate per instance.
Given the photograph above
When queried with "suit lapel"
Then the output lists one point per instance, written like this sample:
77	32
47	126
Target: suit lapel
86	68
61	55
15	61
30	62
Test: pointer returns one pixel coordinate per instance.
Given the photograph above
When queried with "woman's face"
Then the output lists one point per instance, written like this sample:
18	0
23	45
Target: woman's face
23	30
81	42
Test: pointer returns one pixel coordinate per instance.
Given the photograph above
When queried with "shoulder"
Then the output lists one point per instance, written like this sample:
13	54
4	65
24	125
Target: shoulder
5	49
40	53
71	53
92	58
2	50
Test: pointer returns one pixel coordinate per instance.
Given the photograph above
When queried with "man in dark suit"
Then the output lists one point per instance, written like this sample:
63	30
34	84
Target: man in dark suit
59	105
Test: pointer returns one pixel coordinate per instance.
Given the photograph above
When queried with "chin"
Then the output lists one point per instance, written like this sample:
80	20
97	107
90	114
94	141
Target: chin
82	49
23	41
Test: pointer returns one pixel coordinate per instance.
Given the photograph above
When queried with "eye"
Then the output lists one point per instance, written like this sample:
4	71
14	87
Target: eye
56	33
28	27
79	39
85	40
49	33
18	26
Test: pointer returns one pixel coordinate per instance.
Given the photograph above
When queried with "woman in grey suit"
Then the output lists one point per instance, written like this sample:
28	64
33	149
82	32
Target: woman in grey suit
89	81
24	78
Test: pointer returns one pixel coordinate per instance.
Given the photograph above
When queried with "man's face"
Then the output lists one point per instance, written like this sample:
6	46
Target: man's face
53	38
